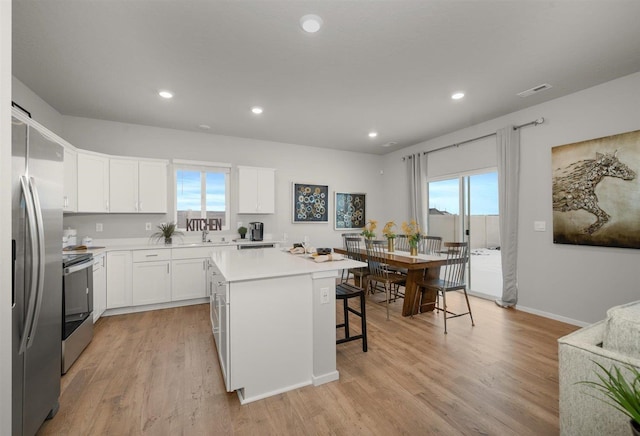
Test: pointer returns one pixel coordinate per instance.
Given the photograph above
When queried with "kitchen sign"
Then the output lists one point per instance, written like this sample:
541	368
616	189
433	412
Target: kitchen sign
199	224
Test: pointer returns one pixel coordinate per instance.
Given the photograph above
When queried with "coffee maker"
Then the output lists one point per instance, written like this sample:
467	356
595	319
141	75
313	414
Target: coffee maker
256	231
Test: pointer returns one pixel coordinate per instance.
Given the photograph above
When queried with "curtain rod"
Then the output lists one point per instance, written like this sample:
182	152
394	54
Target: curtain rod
530	123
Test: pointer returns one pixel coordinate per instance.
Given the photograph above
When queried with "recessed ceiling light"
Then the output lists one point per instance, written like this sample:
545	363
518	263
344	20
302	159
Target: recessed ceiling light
389	144
373	134
165	94
311	23
205	126
457	95
256	110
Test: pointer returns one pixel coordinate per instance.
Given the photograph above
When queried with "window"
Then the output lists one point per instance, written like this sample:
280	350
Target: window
202	196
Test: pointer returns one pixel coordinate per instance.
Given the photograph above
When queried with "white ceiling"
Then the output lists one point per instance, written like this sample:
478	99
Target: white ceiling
389	66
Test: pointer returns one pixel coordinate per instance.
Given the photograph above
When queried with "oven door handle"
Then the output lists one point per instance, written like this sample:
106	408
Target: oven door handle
79	267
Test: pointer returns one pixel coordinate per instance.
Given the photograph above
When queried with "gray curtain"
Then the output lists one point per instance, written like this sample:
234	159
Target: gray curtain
418	195
508	154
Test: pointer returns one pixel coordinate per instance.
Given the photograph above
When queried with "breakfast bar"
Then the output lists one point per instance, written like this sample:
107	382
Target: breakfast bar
274	320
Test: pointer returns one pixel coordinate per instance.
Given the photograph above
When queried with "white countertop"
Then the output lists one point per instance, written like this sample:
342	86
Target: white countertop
103	246
241	265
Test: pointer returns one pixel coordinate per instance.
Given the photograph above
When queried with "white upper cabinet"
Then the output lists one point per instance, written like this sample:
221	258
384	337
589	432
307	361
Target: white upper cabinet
137	186
123	185
256	190
70	188
93	182
152	187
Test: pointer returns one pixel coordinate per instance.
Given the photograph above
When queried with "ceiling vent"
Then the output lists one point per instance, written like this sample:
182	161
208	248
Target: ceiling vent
534	90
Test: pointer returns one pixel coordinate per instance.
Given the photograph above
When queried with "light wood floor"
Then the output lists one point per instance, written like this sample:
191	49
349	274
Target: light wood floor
156	373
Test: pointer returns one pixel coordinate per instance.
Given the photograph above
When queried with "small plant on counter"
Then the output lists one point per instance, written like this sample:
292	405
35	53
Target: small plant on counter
242	231
166	231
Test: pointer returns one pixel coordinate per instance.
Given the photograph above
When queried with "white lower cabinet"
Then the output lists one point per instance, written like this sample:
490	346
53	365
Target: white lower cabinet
99	286
188	279
151	276
119	290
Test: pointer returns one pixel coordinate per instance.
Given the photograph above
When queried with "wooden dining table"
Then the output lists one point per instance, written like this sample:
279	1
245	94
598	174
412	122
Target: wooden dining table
422	265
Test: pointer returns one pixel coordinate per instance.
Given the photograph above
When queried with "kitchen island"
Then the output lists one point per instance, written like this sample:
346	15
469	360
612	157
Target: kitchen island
273	318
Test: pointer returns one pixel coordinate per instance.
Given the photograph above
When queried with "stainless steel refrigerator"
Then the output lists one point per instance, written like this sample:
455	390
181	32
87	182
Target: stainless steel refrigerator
36	202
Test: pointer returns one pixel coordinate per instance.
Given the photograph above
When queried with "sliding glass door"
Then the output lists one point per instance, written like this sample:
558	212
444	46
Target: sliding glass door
465	208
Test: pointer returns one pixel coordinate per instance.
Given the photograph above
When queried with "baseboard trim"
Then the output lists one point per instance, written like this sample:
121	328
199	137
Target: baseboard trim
145	308
534	311
553	316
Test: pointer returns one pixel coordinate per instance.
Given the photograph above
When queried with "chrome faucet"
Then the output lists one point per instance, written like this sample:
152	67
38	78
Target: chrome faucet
205	232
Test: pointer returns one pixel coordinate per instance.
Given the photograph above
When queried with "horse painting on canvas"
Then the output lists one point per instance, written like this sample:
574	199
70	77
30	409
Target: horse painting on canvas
596	192
575	186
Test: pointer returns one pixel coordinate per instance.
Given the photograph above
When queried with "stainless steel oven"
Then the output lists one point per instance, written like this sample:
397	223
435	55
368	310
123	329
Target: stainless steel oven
77	306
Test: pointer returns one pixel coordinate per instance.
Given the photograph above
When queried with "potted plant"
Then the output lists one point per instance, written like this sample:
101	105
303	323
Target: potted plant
166	231
412	230
390	235
621	394
368	230
242	231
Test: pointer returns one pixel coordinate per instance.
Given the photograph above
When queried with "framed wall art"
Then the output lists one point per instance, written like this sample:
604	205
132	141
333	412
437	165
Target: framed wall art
350	211
596	191
310	203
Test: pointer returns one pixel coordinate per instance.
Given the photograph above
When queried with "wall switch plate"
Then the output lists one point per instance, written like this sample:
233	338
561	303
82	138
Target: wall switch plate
540	226
98	227
147	226
324	295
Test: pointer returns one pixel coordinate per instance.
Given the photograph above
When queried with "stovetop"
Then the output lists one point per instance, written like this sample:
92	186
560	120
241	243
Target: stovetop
73	259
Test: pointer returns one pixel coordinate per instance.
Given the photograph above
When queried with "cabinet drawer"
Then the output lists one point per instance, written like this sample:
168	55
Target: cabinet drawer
191	253
151	255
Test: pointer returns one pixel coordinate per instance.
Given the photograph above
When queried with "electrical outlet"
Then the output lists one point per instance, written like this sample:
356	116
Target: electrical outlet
147	226
239	224
324	295
98	227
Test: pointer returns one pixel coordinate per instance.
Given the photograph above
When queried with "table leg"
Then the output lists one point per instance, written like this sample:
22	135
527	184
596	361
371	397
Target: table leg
428	297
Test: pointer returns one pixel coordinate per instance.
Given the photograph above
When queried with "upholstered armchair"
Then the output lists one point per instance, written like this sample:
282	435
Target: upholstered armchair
613	341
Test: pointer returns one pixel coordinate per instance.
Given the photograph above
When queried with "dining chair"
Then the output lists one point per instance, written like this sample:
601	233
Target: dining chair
380	273
429	244
352	245
345	292
345	273
402	243
452	278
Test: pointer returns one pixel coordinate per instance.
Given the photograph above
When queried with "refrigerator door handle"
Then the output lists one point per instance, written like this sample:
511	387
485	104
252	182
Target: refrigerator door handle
29	207
41	259
37	243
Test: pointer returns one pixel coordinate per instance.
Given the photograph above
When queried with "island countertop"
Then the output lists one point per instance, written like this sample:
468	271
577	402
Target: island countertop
240	265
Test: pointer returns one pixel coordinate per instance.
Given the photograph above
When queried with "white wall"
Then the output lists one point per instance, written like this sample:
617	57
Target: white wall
39	109
5	217
574	283
342	171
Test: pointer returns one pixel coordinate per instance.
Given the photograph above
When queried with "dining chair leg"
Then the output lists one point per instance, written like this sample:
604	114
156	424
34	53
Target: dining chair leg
387	293
444	307
466	297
